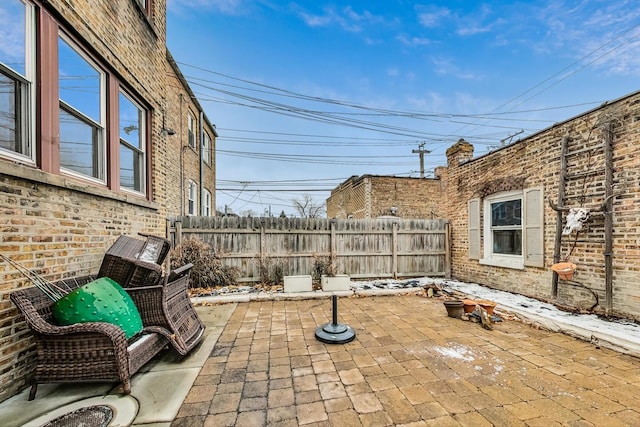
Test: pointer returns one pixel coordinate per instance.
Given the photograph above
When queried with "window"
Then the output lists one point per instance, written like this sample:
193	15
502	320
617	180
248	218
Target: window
512	229
82	117
16	78
191	127
206	202
206	148
505	225
132	125
193	196
145	5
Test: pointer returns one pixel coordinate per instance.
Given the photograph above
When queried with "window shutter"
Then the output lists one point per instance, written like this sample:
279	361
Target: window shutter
533	227
474	229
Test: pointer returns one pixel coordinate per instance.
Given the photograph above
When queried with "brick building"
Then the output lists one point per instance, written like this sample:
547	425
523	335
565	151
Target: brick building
94	115
372	196
506	234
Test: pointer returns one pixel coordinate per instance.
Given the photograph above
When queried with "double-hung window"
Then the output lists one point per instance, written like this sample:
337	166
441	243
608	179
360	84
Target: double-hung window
206	202
191	129
206	148
82	115
132	125
17	74
504	215
511	231
193	198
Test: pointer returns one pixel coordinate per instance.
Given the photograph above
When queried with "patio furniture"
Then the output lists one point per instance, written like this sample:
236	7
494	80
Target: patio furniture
167	305
135	262
162	300
83	352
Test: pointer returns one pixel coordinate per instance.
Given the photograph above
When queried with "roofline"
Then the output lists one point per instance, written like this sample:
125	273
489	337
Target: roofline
561	123
185	84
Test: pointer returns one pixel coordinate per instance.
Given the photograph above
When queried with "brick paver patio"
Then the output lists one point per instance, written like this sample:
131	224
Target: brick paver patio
410	365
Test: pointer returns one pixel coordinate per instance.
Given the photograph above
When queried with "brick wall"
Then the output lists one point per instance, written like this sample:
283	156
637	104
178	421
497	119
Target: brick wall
371	196
535	162
60	226
180	102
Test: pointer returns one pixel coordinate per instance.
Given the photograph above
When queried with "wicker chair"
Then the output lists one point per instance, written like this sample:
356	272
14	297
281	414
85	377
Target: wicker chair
83	352
167	306
162	300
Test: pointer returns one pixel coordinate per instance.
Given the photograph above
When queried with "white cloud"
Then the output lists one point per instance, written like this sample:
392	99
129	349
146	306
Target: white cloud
346	18
433	16
446	67
413	41
229	7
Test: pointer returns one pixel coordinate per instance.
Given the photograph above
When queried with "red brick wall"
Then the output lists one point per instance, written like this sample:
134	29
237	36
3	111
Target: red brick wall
371	196
534	162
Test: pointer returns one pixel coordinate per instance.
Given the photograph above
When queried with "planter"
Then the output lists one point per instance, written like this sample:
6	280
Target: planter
297	283
469	305
454	308
487	305
564	270
339	282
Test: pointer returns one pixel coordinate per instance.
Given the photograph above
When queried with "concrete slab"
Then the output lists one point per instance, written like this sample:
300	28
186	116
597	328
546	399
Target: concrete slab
159	388
161	393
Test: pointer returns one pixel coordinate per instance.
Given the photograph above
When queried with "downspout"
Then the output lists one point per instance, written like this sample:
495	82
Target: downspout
201	161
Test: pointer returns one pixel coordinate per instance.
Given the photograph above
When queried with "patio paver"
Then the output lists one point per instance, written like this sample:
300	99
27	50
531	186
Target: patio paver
410	364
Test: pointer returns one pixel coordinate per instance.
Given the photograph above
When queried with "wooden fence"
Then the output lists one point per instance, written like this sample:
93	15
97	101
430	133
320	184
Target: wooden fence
380	248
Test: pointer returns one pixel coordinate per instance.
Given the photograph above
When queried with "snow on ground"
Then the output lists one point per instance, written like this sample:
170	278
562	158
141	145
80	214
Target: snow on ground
622	335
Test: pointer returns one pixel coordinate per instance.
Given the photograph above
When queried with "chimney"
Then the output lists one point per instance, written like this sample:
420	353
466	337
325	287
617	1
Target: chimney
459	152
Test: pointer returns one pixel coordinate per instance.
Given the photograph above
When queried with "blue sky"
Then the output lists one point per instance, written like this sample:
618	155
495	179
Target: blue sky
306	94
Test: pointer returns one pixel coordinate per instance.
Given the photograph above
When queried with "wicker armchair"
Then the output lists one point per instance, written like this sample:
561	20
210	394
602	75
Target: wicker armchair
83	352
162	300
167	306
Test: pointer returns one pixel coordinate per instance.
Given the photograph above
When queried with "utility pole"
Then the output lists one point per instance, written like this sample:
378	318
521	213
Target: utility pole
421	151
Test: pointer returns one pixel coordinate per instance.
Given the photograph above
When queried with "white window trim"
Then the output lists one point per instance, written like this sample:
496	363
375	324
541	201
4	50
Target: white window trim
206	148
191	131
193	198
29	122
206	202
143	150
489	258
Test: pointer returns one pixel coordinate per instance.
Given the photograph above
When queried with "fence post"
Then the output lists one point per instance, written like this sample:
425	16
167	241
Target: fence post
394	249
178	232
447	250
263	237
332	240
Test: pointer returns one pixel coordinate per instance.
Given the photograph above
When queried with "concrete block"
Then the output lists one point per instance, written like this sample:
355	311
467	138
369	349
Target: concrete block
339	282
297	283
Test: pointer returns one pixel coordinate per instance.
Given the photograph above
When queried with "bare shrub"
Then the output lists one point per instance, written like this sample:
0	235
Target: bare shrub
322	266
272	271
208	269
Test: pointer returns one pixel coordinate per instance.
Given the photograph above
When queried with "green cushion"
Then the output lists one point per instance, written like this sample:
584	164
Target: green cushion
102	300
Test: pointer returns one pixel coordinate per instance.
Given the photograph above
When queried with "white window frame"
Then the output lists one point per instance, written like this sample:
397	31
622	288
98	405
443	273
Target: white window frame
191	130
192	203
139	151
28	111
501	260
206	202
206	148
100	155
